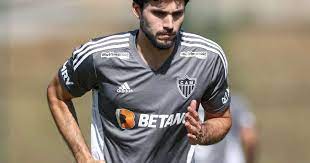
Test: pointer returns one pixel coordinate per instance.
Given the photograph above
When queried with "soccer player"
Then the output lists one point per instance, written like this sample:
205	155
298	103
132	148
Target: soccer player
147	85
240	144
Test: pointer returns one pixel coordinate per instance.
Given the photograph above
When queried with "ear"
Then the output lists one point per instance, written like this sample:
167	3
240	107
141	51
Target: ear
136	9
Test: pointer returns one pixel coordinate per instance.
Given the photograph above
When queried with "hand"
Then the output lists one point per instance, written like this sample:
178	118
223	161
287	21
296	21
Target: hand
193	124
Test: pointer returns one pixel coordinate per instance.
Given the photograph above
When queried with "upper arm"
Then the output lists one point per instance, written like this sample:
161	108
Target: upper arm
78	75
56	90
216	98
75	77
224	114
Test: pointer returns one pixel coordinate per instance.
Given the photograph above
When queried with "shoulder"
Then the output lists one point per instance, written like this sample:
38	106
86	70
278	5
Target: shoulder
197	43
98	45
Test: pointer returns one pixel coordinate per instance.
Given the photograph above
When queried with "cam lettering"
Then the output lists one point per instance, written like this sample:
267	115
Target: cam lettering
186	82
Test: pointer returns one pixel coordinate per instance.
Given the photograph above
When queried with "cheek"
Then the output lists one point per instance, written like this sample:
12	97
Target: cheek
178	23
155	26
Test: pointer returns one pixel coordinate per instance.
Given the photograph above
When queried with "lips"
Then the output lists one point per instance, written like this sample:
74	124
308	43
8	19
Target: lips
166	37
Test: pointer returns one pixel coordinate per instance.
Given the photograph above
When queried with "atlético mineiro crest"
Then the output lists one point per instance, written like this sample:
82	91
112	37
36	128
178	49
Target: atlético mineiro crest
186	86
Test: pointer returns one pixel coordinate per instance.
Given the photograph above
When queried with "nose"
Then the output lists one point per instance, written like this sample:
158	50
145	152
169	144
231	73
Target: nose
168	23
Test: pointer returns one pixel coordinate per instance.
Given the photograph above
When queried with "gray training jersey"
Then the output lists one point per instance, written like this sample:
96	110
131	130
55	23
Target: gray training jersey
138	112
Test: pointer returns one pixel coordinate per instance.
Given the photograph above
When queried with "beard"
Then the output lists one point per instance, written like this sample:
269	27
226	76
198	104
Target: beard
144	26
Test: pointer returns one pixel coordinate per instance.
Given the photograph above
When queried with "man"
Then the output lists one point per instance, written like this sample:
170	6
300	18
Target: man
240	144
147	85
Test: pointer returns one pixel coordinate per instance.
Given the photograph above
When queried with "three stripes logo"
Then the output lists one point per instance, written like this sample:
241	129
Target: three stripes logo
125	118
186	86
124	88
102	45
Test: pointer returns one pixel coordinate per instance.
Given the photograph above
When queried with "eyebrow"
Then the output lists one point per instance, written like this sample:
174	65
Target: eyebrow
161	10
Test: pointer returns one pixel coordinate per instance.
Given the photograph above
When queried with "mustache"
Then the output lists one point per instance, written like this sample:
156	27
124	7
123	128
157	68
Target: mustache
172	33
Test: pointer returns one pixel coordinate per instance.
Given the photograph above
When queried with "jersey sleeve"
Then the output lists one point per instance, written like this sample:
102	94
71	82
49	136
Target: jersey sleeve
78	74
216	98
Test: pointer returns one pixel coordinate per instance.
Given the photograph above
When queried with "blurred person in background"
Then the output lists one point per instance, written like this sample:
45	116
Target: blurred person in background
240	144
147	85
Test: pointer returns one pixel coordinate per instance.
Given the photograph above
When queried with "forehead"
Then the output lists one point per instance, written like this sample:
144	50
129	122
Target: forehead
165	4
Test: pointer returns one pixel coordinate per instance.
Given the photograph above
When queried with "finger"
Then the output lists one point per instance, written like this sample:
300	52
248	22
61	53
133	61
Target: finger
192	139
191	136
191	129
192	120
193	104
192	109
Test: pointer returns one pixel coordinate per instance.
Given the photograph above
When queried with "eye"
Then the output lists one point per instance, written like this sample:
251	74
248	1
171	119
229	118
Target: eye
177	14
159	14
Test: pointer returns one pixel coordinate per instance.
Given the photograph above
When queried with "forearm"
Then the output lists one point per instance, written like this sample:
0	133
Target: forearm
68	127
214	130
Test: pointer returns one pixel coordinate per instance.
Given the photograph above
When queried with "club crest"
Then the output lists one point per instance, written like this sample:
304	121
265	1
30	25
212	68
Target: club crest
186	86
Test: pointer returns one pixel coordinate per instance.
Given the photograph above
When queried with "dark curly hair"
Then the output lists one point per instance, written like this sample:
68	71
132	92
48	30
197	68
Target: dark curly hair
142	2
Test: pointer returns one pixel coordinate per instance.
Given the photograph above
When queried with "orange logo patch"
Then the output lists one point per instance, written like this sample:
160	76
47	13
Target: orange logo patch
125	118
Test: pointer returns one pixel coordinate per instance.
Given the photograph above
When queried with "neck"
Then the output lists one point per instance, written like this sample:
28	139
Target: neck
151	55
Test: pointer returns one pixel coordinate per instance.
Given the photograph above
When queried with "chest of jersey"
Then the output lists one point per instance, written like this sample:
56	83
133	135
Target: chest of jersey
130	84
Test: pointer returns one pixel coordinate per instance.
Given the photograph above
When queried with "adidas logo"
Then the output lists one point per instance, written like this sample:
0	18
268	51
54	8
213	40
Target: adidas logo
124	88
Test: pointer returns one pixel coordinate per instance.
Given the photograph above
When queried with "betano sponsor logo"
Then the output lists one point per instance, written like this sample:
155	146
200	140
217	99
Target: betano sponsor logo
126	119
161	121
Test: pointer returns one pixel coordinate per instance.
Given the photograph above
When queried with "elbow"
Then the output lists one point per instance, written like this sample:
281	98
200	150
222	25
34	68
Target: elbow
227	125
50	94
225	130
55	93
227	122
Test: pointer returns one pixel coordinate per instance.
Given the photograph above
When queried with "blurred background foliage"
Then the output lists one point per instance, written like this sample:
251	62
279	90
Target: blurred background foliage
266	42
